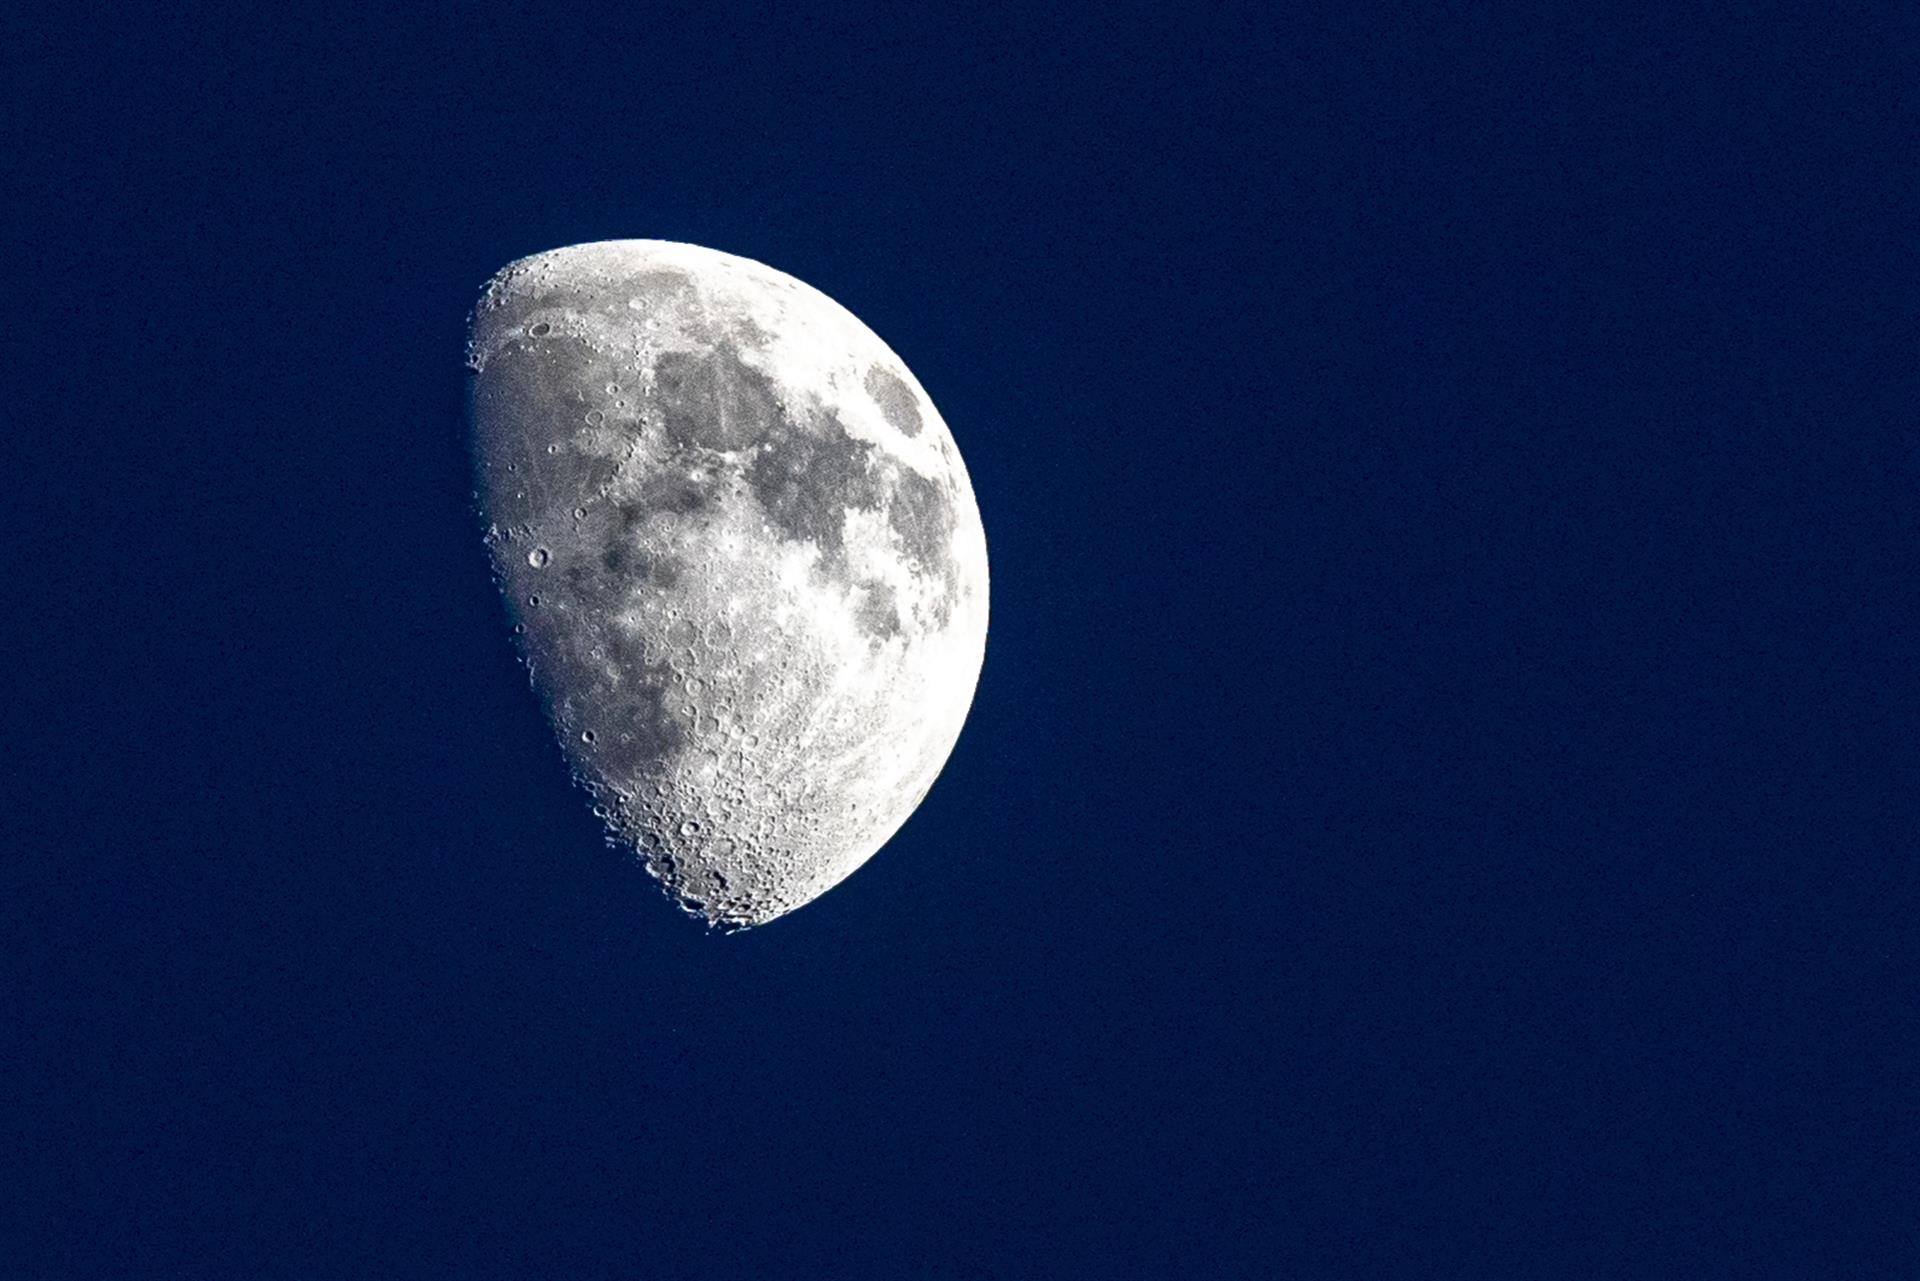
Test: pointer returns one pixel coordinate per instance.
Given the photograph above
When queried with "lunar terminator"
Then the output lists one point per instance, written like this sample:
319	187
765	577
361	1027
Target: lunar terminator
744	558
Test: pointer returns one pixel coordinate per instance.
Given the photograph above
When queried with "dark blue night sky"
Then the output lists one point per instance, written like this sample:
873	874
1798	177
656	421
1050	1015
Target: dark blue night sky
1441	796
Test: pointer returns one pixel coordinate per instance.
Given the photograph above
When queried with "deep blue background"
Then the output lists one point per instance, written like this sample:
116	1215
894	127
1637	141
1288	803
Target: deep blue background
1440	799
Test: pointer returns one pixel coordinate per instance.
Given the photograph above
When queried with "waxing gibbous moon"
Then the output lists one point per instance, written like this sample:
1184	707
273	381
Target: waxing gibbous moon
744	560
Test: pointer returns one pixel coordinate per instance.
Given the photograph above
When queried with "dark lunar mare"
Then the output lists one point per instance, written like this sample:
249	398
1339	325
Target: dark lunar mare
922	515
805	470
895	398
716	400
879	613
807	479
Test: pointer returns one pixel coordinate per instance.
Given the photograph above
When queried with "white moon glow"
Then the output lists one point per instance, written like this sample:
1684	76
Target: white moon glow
744	556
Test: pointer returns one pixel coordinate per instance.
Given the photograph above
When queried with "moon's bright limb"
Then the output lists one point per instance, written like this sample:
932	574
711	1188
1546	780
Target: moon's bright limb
743	553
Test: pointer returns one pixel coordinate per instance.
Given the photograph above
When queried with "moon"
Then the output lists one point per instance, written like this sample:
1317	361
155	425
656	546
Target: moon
743	557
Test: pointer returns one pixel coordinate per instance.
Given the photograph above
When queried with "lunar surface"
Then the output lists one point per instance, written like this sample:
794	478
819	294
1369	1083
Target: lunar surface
743	556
